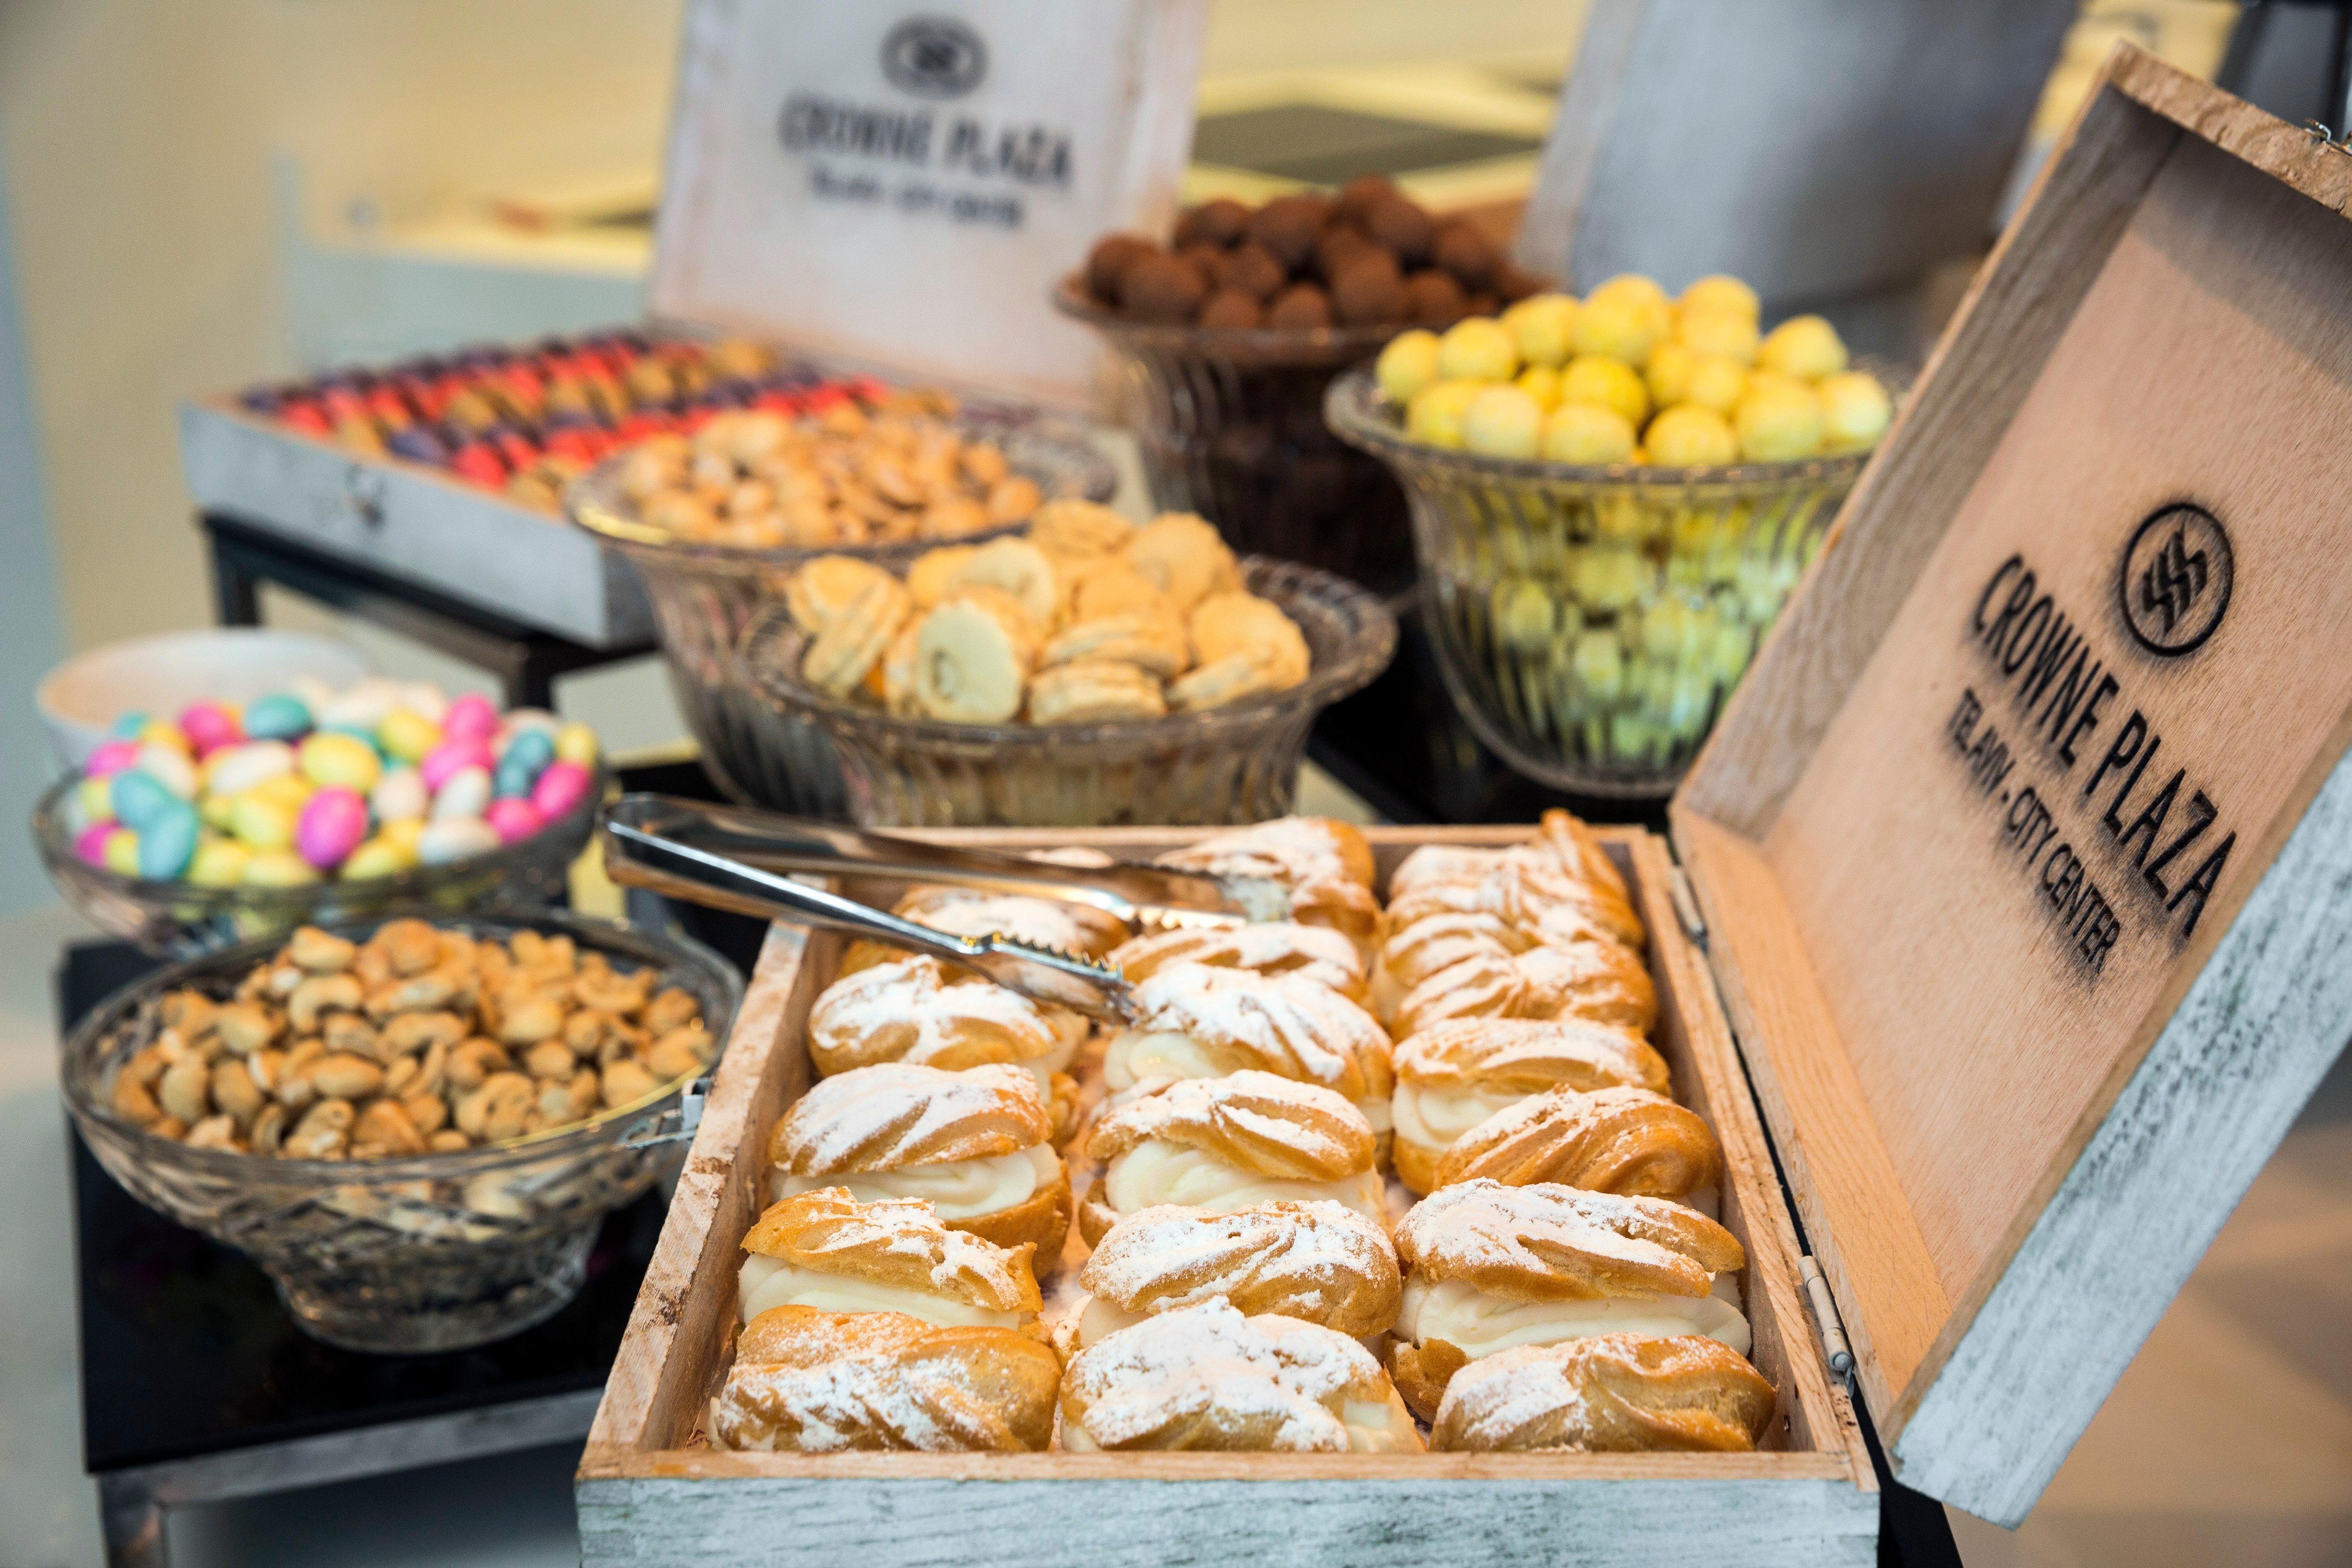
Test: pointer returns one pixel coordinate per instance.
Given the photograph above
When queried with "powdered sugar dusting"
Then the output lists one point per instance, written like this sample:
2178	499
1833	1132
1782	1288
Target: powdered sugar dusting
1206	1377
1269	1124
940	1019
897	1114
1310	1260
1289	1024
1266	947
1553	1242
894	1241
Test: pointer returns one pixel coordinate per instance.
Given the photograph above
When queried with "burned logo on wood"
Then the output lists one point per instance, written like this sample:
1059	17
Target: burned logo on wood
934	57
2175	579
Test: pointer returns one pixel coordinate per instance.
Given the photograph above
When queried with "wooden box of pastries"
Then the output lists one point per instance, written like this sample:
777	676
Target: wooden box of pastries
1440	1223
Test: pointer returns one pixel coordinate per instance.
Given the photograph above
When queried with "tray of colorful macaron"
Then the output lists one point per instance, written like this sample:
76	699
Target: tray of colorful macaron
228	821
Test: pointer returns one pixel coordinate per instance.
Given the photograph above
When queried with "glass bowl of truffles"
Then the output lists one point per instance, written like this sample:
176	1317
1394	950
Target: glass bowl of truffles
413	1125
716	520
1229	334
1088	672
1611	500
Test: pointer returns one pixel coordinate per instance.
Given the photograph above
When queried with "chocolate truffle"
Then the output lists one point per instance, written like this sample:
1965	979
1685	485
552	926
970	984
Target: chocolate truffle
1231	308
1369	288
1464	251
1300	305
1287	228
1432	299
1514	283
1338	246
1253	270
1108	261
1221	222
1356	197
1402	226
1162	288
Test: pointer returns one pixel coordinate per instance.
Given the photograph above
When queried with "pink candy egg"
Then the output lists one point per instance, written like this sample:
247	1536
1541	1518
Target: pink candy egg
470	718
110	757
452	756
332	824
90	846
560	788
209	726
511	818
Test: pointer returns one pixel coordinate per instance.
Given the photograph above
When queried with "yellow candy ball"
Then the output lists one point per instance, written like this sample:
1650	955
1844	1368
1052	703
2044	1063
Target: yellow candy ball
1434	415
218	863
1805	347
1719	292
1617	326
1610	382
408	734
1588	434
1645	294
576	743
1502	421
379	856
329	759
404	834
1717	332
1668	374
1407	365
1714	382
1541	382
1777	421
278	868
1544	328
1855	411
1690	437
120	852
1480	349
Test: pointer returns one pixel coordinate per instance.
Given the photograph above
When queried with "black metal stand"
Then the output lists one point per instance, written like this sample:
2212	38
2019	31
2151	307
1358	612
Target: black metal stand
525	661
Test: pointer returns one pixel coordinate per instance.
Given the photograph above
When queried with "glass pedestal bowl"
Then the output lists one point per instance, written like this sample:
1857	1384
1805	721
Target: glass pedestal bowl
1230	764
704	596
1591	622
436	1252
1230	424
180	918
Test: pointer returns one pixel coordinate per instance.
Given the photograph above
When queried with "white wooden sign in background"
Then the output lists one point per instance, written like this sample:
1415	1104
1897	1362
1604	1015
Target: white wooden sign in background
898	186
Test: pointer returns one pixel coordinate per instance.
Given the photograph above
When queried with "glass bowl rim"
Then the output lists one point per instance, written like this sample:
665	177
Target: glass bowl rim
1367	653
1353	405
419	880
592	501
1072	297
85	1103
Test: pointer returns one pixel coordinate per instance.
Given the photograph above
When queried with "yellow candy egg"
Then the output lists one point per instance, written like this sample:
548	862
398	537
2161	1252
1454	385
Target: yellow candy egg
261	824
576	743
1689	436
1434	415
1805	347
218	863
1479	349
1541	382
1855	411
95	799
404	834
408	734
1778	421
1618	327
1668	374
1717	291
1717	332
379	856
1544	328
1502	421
1407	365
162	732
121	852
329	759
1714	382
290	790
278	868
217	811
1610	382
1588	434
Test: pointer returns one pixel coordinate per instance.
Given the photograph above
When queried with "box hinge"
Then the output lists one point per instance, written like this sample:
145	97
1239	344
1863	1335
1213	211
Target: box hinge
1834	1350
1685	902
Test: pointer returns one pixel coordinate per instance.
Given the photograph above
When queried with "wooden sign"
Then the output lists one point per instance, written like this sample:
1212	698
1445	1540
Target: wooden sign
2025	847
1815	148
897	187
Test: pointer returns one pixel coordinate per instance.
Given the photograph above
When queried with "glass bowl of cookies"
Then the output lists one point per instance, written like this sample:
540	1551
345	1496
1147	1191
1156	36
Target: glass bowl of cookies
1611	501
1089	672
716	520
413	1125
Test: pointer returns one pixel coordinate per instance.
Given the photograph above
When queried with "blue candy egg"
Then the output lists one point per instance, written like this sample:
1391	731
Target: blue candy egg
129	724
515	775
533	749
139	798
281	717
168	842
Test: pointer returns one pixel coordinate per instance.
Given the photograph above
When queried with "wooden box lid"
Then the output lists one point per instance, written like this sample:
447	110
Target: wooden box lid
2025	850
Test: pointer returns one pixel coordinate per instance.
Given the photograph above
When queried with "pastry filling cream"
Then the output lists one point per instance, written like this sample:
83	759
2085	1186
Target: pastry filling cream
1158	1171
1434	1117
1481	1323
768	1283
1103	1318
959	1189
1044	1067
1385	1427
1145	1061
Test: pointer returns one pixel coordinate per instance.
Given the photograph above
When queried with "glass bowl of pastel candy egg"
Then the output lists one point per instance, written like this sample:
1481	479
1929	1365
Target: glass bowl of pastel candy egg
227	822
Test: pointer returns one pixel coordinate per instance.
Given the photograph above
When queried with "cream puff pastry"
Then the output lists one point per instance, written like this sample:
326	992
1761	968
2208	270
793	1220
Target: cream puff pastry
826	1249
976	1145
1325	865
1319	1262
1489	1267
1190	1021
813	1382
1563	880
1626	1140
1206	1377
920	1010
1594	979
1224	1143
1264	947
1616	1395
1078	929
1454	1075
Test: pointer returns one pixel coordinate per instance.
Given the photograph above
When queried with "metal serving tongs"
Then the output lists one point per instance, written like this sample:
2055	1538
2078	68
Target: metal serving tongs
735	860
